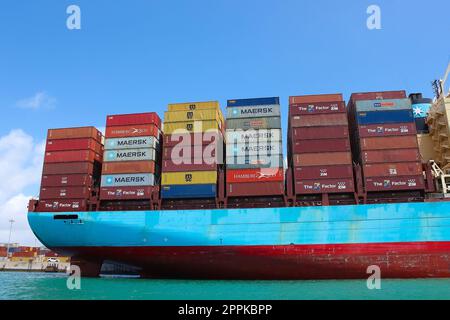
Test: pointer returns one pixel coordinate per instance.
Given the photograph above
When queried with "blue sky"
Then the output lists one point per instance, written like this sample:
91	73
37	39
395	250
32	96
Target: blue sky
134	56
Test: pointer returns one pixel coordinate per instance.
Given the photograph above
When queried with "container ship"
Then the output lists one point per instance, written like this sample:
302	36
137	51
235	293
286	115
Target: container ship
205	196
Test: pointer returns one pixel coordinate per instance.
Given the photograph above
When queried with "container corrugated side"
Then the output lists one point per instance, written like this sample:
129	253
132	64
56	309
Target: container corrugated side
395	155
74	144
196	115
75	133
70	180
388	143
193	152
377	117
147	154
132	131
190	106
392	169
131	143
80	192
171	140
321	145
255	189
189	177
273	161
380	95
72	156
126	193
323	159
133	119
62	205
255	123
253	102
317	108
324	186
394	183
383	105
253	149
319	120
316	98
128	180
192	127
312	133
68	168
123	167
323	172
255	175
262	111
253	136
170	166
188	192
384	130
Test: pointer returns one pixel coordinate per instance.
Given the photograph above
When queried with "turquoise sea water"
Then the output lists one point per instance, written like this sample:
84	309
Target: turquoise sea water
32	286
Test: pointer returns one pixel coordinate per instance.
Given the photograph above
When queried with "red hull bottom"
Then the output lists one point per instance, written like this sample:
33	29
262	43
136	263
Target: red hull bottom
294	262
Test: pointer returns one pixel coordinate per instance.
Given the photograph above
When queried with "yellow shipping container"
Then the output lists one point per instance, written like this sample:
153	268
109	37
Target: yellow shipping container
187	178
191	106
198	115
192	126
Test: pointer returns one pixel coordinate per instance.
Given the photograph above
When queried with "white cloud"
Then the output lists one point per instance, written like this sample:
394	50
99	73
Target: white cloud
21	161
40	100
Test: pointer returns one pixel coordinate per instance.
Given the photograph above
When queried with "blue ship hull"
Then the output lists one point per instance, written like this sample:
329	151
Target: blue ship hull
408	240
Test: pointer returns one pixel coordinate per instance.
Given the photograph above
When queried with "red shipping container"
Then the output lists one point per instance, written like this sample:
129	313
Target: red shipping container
75	133
324	186
322	159
65	193
323	172
133	119
382	95
317	108
132	131
68	168
384	130
255	189
322	145
72	156
312	133
170	166
319	120
67	180
192	152
383	156
123	167
255	175
126	193
315	98
61	205
379	184
392	169
388	143
74	144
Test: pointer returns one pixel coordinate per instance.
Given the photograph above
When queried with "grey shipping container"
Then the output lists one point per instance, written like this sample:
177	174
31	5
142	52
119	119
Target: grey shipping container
128	180
253	111
131	143
250	149
253	136
255	123
130	155
383	105
274	161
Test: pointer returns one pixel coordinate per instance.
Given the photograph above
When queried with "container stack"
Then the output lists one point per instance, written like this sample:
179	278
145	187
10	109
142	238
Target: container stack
254	153
439	125
421	108
71	173
386	147
130	173
192	156
319	150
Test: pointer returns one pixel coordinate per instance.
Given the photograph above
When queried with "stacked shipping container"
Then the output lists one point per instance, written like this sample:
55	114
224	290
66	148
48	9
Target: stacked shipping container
131	162
385	142
192	155
254	154
319	151
71	172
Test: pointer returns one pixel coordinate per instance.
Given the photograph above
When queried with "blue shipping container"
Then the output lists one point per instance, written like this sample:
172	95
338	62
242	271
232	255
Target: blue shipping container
253	102
380	117
188	191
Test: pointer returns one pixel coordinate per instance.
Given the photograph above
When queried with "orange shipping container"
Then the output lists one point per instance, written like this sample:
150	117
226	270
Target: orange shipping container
72	156
75	133
128	167
389	143
316	98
